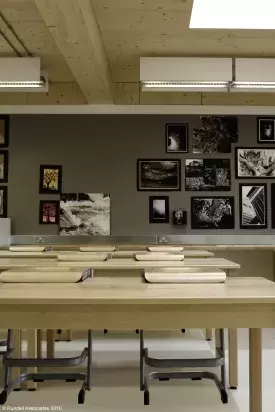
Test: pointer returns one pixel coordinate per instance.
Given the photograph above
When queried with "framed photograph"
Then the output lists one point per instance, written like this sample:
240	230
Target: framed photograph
179	217
253	206
49	212
4	166
4	131
176	137
50	181
207	174
164	174
216	134
216	212
3	201
266	129
273	205
254	163
85	214
159	209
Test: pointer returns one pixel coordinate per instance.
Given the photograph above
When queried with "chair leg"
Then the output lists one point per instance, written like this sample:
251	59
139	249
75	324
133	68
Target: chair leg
69	335
17	353
39	343
208	334
50	343
233	358
32	353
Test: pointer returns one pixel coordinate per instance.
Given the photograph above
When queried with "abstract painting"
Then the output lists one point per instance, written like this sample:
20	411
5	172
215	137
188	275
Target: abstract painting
266	129
253	206
207	174
255	163
85	214
4	166
158	174
3	201
215	212
4	131
158	209
50	179
177	138
216	134
49	212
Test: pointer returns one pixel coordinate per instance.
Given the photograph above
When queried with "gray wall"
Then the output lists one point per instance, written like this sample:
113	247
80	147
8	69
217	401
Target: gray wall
98	154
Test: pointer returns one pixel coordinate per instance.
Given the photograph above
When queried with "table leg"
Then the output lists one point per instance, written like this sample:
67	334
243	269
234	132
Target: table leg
217	338
17	345
32	353
39	343
255	370
208	334
50	343
69	335
233	358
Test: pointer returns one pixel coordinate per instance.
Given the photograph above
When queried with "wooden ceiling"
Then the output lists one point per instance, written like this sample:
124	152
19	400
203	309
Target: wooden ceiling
91	48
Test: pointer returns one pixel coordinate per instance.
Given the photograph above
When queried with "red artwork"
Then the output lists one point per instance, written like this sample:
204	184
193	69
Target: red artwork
49	212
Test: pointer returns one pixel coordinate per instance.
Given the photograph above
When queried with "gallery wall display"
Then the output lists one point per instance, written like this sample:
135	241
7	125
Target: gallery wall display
4	166
85	214
215	212
273	205
50	181
255	162
158	174
3	201
266	129
4	131
179	217
253	206
216	134
207	175
158	209
176	138
49	212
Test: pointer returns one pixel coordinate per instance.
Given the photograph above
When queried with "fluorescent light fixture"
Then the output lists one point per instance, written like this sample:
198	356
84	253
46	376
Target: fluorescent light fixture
19	85
41	85
254	85
183	86
233	14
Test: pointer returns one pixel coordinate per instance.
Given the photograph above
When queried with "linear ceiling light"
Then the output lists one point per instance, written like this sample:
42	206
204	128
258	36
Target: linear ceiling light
233	14
23	85
183	86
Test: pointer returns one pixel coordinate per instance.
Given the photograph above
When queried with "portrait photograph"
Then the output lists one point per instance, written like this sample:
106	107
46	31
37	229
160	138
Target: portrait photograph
255	163
50	179
159	209
49	212
207	175
164	174
177	138
179	217
215	212
216	134
266	129
253	206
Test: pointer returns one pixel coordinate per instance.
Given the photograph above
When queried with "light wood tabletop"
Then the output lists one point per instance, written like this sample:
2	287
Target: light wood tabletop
37	255
186	253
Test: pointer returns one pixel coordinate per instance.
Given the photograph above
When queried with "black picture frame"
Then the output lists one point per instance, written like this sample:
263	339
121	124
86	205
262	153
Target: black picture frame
4	131
207	175
257	174
56	204
159	184
226	221
47	190
179	217
3	201
257	211
4	166
155	216
179	133
266	122
272	187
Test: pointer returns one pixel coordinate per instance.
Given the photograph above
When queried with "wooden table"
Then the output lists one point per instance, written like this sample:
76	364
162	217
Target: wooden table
186	253
126	304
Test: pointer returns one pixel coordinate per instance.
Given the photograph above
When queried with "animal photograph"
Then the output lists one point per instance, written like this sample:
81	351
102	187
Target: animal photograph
212	212
255	163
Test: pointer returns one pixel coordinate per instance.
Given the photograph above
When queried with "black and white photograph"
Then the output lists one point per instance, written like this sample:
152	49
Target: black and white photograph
158	209
216	212
3	201
4	131
216	134
253	206
273	205
4	166
179	217
177	138
164	174
85	214
255	163
266	129
207	175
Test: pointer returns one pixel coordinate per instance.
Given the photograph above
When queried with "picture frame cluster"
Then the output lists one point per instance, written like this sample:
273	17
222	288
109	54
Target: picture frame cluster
4	165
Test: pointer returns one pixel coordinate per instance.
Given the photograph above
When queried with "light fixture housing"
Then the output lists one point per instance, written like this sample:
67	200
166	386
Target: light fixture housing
233	14
22	74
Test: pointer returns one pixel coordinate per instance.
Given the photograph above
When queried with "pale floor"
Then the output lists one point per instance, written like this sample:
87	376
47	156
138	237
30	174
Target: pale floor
116	377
